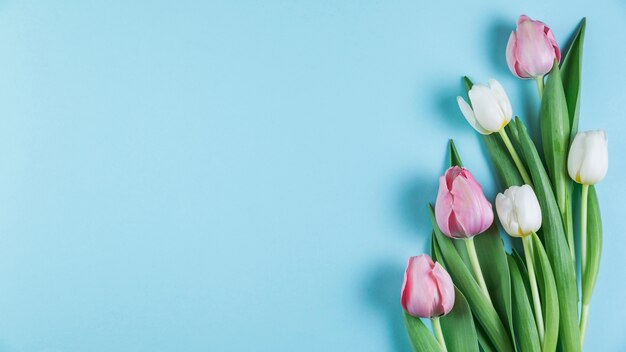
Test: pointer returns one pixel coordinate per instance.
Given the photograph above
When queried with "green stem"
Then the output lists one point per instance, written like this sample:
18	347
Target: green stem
583	230
539	81
528	250
515	156
567	219
471	250
438	333
584	314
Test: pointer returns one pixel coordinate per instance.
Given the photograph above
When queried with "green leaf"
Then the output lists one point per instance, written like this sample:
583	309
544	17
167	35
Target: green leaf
421	338
495	269
501	160
463	279
455	159
483	340
458	326
571	72
594	244
556	246
522	311
548	293
555	137
468	83
435	252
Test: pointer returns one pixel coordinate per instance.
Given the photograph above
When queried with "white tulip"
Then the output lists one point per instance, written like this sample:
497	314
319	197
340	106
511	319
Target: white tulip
588	158
518	210
490	110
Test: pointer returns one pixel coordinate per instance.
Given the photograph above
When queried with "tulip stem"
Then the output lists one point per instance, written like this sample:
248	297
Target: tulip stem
539	81
583	230
471	250
584	314
438	333
515	156
528	250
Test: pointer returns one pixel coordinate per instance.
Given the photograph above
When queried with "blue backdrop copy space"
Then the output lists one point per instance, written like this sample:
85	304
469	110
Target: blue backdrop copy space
238	175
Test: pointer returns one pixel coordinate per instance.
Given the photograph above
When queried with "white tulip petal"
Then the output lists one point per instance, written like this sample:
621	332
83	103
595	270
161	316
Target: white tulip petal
467	111
575	157
528	210
502	98
486	108
519	211
595	161
588	159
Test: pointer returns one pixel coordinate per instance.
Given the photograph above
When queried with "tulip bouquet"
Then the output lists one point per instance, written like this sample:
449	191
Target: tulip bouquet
478	295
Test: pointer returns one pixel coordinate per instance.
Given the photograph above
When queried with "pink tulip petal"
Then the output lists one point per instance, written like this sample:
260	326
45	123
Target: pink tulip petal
419	290
446	289
443	206
473	212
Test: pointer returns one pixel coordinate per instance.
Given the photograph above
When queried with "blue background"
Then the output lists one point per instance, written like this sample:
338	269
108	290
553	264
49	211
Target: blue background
238	175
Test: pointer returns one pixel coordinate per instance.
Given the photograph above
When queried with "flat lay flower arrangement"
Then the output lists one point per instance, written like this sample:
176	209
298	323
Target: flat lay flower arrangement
478	295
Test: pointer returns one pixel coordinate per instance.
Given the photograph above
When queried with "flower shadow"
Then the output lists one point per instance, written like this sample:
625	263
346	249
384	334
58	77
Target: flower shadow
382	290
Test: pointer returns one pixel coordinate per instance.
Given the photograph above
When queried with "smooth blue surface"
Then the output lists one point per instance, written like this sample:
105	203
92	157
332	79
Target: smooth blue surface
251	176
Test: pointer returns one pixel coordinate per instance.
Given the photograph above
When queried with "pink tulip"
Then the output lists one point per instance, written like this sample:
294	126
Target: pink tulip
427	290
532	49
462	211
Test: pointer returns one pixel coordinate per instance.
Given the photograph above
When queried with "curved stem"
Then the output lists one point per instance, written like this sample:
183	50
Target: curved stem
471	250
533	285
539	81
515	156
438	333
584	314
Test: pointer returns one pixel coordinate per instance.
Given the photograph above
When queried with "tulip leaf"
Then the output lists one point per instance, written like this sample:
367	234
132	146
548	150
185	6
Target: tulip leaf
571	72
421	338
455	159
483	340
465	282
467	83
555	137
548	293
502	163
522	311
458	326
435	252
594	245
495	269
555	244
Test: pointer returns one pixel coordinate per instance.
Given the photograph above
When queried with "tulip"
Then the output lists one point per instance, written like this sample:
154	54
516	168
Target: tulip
532	49
427	290
587	164
490	110
518	210
520	214
462	211
588	158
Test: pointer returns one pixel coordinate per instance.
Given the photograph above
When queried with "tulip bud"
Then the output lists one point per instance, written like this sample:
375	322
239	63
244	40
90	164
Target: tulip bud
588	158
531	50
462	211
519	211
427	290
490	110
